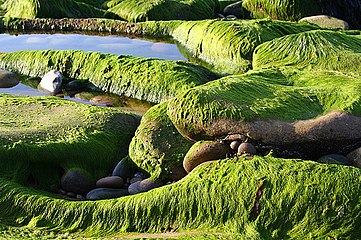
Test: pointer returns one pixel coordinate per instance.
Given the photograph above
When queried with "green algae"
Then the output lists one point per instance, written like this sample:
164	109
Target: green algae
41	137
297	199
263	95
319	50
144	10
157	147
149	79
228	45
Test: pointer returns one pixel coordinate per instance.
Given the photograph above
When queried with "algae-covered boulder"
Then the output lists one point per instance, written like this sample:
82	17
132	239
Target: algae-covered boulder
144	10
43	137
154	80
319	49
227	45
294	10
306	114
261	198
51	9
157	146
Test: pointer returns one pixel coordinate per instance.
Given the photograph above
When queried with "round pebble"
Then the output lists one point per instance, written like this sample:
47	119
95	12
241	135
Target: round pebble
234	145
247	148
110	182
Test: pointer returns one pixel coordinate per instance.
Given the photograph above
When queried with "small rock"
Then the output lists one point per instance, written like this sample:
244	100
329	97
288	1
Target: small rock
234	145
110	182
71	194
220	15
77	180
325	21
234	9
51	81
247	148
106	193
141	175
76	85
135	179
231	16
334	159
355	157
78	196
104	100
144	186
8	79
125	168
62	191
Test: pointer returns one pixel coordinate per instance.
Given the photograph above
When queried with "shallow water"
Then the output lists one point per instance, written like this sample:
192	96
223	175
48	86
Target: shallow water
105	44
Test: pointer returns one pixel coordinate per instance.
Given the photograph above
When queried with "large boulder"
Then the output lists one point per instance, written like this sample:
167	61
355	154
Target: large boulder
144	10
305	114
43	137
154	80
228	45
157	146
319	49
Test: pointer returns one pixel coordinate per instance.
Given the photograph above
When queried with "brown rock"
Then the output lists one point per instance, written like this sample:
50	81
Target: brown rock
355	157
110	182
247	148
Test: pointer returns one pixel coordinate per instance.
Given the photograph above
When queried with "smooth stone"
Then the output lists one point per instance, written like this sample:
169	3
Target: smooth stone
234	145
355	157
135	179
78	196
234	9
77	180
325	21
334	159
71	194
125	168
220	15
144	186
8	79
106	193
104	100
231	16
141	175
110	182
51	81
76	85
247	148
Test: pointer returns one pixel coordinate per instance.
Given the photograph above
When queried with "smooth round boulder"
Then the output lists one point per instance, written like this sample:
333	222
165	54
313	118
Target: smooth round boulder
247	148
51	81
77	180
110	182
106	193
203	151
8	79
144	185
325	21
334	159
125	168
234	9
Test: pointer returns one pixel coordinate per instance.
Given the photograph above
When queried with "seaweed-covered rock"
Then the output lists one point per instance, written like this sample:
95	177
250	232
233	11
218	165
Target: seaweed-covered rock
227	45
144	10
319	49
51	9
294	199
154	80
42	137
306	113
204	151
157	146
8	79
325	21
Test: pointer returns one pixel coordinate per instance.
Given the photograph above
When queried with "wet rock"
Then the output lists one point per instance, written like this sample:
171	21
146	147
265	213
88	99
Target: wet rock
234	145
325	21
78	196
105	100
247	148
141	175
76	85
205	151
135	179
77	180
106	193
51	81
234	9
110	182
231	16
8	79
125	168
355	157
334	159
220	15
144	186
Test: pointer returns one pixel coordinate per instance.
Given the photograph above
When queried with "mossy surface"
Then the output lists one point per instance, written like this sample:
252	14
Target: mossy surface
43	137
154	80
267	94
51	9
296	199
228	45
144	10
319	50
157	146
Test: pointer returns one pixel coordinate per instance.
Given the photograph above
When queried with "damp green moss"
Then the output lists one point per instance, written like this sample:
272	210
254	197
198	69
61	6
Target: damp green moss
41	137
144	10
157	146
51	9
319	49
154	80
297	199
228	45
267	94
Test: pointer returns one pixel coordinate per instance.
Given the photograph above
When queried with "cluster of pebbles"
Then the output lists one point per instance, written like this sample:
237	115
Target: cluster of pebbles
125	180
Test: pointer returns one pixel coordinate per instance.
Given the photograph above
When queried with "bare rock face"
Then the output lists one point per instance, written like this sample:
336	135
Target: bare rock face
51	81
205	151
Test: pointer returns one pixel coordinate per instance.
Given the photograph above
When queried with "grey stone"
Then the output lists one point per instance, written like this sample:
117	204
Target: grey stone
106	193
125	168
334	159
234	9
77	180
144	186
8	79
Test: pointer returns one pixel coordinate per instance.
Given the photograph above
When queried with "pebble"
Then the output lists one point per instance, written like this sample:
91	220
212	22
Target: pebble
144	185
106	193
334	159
110	182
125	168
77	180
247	148
234	145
